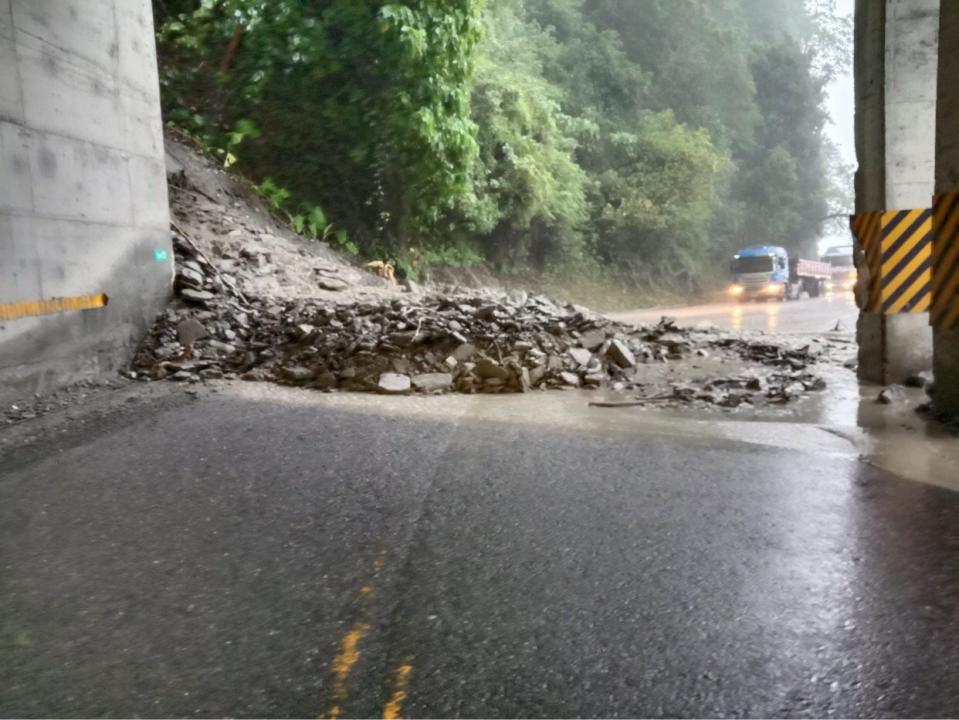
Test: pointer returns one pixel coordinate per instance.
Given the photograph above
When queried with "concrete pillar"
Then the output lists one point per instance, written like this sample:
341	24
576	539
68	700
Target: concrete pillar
946	340
86	257
895	71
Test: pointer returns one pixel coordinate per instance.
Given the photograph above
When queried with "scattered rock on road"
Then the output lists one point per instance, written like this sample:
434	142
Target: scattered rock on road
621	354
394	383
920	379
892	394
433	382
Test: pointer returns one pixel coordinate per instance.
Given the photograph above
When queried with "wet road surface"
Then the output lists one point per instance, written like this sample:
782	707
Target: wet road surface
806	315
266	552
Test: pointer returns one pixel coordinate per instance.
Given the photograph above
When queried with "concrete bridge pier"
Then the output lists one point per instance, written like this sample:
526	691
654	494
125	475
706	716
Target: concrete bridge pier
946	265
895	70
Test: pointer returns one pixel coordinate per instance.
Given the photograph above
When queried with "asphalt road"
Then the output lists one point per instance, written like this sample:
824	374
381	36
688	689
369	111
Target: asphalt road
264	552
806	315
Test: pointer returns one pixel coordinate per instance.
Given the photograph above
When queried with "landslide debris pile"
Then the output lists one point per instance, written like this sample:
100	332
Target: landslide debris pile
468	342
255	301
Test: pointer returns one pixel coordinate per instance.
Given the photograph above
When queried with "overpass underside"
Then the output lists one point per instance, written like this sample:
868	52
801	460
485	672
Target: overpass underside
86	259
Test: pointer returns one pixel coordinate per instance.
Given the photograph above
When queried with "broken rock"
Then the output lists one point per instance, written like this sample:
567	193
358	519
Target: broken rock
189	330
433	382
196	296
297	373
580	356
593	339
918	380
892	394
394	384
621	355
488	369
464	352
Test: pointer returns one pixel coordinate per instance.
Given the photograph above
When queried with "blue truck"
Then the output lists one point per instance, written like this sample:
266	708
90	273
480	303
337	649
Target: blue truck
767	272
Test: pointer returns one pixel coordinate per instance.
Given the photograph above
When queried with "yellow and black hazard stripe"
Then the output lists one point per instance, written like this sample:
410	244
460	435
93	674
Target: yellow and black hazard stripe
906	261
866	228
945	274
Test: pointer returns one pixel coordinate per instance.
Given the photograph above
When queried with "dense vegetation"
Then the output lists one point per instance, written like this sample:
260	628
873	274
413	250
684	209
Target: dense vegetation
639	138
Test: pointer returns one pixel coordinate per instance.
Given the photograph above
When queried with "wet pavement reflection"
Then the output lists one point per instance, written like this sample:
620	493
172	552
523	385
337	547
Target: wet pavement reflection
772	317
806	315
520	555
893	437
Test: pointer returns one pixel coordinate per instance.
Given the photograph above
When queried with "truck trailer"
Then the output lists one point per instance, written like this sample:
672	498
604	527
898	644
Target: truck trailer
767	272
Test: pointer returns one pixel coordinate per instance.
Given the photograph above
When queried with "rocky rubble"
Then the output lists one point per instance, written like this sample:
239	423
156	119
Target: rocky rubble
476	342
39	404
255	302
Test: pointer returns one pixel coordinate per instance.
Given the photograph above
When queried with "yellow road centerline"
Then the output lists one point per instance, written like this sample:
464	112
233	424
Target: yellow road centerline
343	664
394	707
349	650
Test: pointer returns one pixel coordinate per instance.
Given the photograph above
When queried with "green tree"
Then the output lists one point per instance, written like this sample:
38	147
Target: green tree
784	176
528	195
362	104
658	196
654	135
697	56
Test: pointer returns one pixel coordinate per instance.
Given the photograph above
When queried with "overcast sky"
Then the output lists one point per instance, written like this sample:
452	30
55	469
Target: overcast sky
841	106
841	101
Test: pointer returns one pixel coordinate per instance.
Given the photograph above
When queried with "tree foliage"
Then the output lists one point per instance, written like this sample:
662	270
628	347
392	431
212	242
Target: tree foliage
652	135
363	104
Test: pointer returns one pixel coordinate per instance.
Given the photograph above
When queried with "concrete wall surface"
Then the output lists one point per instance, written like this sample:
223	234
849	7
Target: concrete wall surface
869	69
870	75
83	203
912	57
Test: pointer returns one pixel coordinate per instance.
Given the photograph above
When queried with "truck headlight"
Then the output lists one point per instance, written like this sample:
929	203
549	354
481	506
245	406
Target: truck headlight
774	288
735	289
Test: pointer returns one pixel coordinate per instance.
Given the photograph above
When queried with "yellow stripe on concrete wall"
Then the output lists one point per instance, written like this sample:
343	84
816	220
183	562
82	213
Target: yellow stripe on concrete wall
14	311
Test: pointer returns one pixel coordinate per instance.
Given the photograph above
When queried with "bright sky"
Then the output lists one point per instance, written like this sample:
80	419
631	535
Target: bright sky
842	101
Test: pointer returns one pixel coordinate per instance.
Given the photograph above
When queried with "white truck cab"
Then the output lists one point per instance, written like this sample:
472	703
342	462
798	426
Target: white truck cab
840	258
